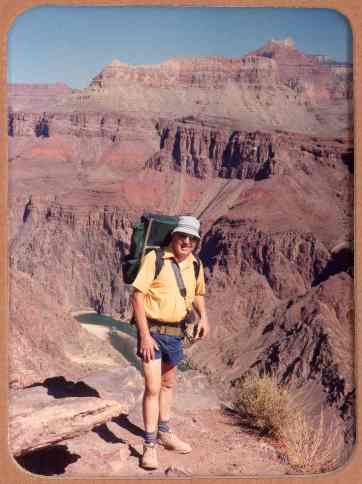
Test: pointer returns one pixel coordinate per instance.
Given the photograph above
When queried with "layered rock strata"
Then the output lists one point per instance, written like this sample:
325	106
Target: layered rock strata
111	126
74	269
202	151
269	89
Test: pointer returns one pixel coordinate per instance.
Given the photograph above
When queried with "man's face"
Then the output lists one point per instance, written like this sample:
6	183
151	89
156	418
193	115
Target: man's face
183	244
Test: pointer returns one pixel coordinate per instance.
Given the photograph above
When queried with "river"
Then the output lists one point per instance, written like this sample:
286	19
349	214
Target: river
121	334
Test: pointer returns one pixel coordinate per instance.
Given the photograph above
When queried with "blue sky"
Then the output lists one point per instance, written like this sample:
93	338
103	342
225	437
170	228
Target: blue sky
73	44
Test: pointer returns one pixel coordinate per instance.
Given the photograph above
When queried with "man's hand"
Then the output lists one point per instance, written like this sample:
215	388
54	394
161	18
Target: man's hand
147	347
147	344
202	328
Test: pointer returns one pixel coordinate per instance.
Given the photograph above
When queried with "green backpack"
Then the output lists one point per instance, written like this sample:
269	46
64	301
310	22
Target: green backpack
152	232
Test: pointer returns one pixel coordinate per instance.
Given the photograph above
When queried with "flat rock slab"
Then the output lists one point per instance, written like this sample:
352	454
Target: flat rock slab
194	392
37	420
23	402
124	385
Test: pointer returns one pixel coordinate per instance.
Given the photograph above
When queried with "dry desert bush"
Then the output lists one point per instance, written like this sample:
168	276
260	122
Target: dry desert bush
264	402
313	448
271	409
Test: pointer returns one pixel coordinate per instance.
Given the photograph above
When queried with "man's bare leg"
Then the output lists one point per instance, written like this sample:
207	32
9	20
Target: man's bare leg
168	377
151	396
150	407
167	438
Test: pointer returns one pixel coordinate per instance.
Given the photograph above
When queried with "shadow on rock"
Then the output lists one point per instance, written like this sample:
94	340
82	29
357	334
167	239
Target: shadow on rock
244	421
342	261
59	387
49	461
134	452
124	422
107	435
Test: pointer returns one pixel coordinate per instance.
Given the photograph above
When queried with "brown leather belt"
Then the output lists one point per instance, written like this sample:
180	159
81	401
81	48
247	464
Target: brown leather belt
172	329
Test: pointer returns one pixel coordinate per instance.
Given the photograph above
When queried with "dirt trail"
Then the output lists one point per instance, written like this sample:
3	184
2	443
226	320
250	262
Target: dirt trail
220	446
223	198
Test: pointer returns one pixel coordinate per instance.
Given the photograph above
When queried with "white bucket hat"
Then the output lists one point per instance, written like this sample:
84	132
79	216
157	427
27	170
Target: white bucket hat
188	225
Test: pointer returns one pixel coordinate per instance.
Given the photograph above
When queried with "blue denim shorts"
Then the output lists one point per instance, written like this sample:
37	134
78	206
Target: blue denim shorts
170	348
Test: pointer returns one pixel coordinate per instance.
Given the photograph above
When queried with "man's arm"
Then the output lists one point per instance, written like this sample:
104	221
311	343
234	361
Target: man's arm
147	343
203	326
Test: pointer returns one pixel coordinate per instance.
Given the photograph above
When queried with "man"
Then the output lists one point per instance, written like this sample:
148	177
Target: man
159	309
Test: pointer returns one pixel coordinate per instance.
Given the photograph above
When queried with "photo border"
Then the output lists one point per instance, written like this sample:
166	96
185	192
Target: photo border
9	10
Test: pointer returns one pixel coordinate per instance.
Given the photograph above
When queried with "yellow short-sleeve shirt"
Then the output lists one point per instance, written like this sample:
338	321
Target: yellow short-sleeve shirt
163	300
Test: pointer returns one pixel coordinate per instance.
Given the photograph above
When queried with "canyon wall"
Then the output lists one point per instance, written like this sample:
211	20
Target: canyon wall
201	151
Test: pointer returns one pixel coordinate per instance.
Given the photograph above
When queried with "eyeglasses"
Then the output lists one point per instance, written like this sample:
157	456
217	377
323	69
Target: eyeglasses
187	236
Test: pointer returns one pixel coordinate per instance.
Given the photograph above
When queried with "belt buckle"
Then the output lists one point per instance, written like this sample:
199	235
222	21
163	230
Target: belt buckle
169	330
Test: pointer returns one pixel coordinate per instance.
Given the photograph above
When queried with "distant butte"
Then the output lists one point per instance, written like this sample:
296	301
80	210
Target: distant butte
274	87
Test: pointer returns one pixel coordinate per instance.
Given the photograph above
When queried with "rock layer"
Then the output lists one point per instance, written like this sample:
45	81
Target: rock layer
270	89
202	151
46	425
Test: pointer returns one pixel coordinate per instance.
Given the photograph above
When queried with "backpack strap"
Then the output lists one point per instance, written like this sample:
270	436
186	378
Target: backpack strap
179	279
159	261
197	265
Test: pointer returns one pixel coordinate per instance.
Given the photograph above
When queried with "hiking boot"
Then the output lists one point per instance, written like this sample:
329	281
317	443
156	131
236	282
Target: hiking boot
149	458
171	442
